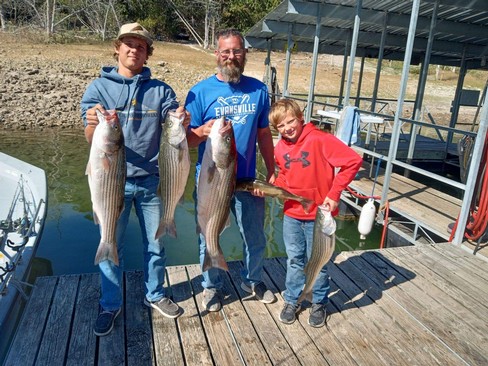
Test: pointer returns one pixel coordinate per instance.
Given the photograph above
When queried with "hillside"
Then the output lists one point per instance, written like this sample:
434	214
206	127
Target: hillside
43	82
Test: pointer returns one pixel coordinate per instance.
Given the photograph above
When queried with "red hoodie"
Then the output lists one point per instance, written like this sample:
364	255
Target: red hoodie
306	168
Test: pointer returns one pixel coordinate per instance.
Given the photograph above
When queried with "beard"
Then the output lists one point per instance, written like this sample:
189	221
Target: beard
231	70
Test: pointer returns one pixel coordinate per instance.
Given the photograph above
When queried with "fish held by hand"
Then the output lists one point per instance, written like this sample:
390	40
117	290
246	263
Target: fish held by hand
271	190
216	184
106	170
174	168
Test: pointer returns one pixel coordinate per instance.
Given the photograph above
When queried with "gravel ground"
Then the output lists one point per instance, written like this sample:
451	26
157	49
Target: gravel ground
42	83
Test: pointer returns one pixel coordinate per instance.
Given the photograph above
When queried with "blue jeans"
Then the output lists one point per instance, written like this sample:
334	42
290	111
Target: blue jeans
248	211
298	238
141	192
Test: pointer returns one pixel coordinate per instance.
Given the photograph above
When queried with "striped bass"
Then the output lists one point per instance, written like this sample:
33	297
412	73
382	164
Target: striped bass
216	185
322	249
106	170
174	167
273	191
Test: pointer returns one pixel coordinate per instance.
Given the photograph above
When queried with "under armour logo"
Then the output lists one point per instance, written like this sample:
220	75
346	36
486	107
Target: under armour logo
303	160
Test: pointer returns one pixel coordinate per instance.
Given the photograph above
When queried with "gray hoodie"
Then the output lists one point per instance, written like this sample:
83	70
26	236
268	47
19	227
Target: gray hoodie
141	104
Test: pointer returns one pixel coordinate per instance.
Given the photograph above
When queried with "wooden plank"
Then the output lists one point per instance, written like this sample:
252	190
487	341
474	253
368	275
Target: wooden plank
83	341
273	341
56	334
436	288
441	279
447	276
477	266
25	345
138	330
457	273
243	332
111	348
355	330
414	337
447	326
362	327
480	250
318	348
223	348
411	305
166	341
195	347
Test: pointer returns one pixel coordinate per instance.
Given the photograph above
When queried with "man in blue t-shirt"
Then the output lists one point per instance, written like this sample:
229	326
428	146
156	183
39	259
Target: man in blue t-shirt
244	101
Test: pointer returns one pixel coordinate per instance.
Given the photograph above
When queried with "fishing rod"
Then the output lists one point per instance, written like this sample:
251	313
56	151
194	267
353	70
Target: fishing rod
24	220
6	224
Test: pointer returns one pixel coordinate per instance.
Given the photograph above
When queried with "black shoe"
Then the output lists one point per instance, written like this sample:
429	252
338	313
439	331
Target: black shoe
260	291
165	306
105	322
317	315
289	313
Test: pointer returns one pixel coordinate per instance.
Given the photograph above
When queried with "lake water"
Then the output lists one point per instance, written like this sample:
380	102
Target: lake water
70	237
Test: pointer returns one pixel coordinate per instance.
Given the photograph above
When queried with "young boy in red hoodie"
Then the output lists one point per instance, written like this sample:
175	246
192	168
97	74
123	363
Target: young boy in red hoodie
307	159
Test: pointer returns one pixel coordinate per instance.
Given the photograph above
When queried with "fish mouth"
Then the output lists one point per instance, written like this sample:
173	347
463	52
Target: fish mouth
226	128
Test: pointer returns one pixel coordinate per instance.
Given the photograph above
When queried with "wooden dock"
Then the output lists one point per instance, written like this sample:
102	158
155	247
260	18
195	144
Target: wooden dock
416	205
414	201
418	305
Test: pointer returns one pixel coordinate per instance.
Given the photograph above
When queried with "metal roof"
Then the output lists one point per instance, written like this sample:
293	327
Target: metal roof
461	26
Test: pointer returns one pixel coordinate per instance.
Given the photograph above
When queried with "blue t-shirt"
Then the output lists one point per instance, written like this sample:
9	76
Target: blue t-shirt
246	104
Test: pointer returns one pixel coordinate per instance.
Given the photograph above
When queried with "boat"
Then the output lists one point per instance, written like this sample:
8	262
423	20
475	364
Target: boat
23	209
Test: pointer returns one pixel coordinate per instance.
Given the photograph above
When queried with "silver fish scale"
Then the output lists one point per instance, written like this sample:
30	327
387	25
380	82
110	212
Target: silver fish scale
322	249
215	189
106	178
214	204
110	200
174	168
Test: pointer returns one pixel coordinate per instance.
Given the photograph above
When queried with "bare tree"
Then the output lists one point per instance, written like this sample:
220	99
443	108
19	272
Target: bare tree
3	26
96	15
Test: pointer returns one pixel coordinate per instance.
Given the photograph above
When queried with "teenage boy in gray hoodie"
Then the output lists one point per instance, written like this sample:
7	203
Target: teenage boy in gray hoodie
141	103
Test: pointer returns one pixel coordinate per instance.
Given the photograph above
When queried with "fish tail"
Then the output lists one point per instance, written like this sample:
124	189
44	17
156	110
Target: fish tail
166	227
106	251
305	295
307	205
217	261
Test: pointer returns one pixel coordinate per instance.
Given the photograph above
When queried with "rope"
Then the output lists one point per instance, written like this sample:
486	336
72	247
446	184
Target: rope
478	218
6	270
386	208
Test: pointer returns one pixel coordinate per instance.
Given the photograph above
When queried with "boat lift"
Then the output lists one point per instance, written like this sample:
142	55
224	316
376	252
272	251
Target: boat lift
317	27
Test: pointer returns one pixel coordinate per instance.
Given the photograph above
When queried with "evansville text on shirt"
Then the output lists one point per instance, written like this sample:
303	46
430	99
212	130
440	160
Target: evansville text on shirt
232	110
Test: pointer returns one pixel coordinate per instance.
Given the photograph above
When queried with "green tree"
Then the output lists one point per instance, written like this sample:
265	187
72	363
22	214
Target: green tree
243	14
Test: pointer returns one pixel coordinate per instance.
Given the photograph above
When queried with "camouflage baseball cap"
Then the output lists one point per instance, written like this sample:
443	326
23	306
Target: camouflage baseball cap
135	30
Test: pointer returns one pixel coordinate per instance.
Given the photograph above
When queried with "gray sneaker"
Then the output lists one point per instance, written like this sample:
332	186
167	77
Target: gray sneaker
289	313
317	315
165	306
260	292
211	299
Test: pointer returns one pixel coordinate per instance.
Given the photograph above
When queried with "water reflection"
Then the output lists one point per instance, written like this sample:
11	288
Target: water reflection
70	238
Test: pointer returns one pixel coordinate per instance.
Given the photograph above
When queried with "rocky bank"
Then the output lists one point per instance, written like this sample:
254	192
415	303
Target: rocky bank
39	91
42	83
